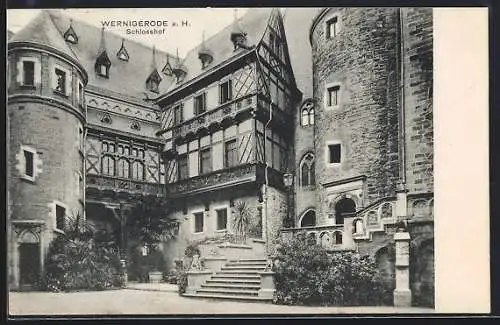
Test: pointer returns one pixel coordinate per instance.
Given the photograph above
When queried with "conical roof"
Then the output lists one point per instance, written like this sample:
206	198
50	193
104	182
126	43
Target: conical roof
41	30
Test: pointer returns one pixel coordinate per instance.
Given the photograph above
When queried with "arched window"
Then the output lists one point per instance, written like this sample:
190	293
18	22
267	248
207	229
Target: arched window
307	114
108	166
137	170
305	117
337	238
309	219
307	170
123	168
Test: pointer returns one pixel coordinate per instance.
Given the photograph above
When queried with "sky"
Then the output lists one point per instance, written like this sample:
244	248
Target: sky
208	20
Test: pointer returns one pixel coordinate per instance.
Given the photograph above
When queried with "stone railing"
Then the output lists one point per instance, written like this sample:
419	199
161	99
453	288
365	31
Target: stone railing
214	116
332	237
115	184
220	178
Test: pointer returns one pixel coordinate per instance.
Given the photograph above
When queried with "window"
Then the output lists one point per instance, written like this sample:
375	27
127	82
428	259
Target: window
60	81
108	166
307	170
123	168
200	104
29	163
221	219
205	161
80	138
28	73
153	82
71	39
137	170
305	117
231	153
182	167
81	100
332	98
225	92
332	27
60	217
337	238
178	114
198	222
334	153
103	70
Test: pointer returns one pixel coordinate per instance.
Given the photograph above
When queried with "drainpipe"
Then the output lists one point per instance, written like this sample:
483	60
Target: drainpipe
264	188
84	176
401	190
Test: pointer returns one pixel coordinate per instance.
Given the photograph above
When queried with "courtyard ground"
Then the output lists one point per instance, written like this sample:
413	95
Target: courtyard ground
164	301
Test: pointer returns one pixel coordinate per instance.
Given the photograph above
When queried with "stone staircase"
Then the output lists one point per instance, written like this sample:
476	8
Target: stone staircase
237	280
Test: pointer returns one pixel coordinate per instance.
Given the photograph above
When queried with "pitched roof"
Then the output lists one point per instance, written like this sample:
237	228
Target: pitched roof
125	77
253	23
42	30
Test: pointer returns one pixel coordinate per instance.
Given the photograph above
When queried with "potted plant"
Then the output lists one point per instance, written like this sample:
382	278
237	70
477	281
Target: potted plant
241	220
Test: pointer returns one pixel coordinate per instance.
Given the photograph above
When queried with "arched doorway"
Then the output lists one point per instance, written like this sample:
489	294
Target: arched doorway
343	209
29	260
309	219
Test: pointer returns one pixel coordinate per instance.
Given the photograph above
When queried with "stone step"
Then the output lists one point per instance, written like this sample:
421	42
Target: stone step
243	267
261	265
244	286
245	298
233	281
228	291
241	272
236	276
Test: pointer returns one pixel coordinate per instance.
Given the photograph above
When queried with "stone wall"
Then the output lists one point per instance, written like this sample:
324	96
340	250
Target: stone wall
276	212
418	85
362	60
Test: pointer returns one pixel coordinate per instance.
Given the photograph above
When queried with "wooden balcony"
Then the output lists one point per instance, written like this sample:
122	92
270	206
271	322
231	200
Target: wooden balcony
101	187
219	179
225	114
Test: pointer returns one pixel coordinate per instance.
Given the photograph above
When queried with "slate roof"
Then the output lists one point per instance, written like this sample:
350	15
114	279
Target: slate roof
42	30
254	23
125	77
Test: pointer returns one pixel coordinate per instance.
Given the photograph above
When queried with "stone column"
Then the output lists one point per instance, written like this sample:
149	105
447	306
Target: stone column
124	271
401	201
402	293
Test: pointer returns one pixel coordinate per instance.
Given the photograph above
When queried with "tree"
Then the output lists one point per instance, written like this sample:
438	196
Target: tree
149	222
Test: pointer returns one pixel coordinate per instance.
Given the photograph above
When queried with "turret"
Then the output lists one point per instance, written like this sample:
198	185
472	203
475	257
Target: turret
46	120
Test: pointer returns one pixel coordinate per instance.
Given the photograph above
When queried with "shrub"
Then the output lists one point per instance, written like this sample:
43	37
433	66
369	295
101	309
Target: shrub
191	250
309	275
82	260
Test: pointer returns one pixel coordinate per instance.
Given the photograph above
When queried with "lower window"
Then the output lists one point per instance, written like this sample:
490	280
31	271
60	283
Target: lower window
198	222
221	219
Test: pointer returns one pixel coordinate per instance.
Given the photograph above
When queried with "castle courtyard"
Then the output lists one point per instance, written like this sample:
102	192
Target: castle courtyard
147	302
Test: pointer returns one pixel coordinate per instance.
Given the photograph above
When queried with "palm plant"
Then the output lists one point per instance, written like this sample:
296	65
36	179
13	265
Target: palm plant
241	220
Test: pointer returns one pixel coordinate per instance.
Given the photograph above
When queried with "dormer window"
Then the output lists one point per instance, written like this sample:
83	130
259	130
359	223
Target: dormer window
122	53
153	82
103	71
102	62
70	35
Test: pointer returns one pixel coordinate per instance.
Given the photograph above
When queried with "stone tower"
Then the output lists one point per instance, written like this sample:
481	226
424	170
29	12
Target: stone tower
45	125
355	60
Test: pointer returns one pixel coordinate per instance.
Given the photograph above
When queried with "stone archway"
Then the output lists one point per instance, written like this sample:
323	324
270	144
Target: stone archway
344	208
29	259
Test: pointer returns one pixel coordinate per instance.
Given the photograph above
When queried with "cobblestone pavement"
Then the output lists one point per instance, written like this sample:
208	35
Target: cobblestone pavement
131	302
